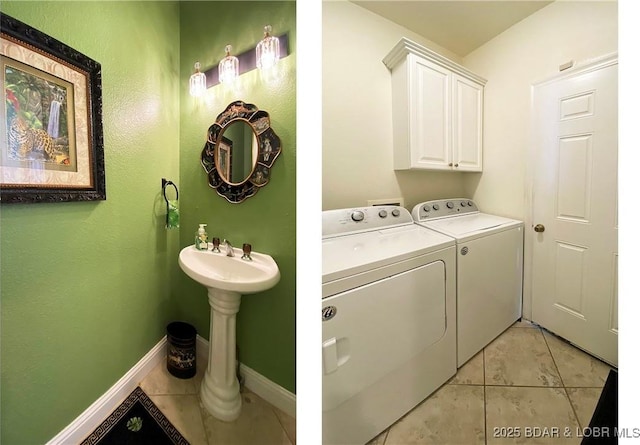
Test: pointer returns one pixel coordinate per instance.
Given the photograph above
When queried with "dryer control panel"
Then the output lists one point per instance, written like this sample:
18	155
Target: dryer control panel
443	208
343	221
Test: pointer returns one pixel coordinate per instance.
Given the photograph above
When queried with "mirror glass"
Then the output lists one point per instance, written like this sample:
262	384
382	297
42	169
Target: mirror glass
240	151
237	152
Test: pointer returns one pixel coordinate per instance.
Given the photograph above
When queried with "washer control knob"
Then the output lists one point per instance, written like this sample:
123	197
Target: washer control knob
382	213
426	208
436	207
357	216
463	204
395	212
450	205
469	203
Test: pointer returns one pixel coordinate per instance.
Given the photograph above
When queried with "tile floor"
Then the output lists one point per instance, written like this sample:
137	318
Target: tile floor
525	378
259	422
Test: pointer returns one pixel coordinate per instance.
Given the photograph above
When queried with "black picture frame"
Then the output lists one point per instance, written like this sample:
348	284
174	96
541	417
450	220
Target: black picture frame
84	112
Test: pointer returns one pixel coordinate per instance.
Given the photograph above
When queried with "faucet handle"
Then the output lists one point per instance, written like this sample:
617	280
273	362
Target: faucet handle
246	252
216	245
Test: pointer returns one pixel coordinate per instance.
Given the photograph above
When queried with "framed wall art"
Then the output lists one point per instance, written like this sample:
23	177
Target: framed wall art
224	157
51	143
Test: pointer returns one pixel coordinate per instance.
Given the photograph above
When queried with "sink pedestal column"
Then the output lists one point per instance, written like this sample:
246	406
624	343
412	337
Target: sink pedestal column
220	391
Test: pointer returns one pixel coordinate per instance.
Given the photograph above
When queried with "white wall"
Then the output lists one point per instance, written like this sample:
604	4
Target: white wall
356	110
357	157
528	52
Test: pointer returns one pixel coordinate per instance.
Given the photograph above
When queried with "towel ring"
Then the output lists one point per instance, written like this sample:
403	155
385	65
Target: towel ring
166	183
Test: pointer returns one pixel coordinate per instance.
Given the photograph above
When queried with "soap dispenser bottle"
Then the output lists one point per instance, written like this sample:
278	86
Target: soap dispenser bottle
201	238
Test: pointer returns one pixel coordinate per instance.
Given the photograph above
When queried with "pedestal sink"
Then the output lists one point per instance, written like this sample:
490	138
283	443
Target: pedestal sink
226	279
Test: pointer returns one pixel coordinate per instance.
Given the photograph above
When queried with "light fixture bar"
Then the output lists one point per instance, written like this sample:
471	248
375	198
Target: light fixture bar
246	61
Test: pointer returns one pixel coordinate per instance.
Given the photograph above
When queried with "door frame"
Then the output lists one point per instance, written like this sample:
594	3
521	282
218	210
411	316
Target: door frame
583	68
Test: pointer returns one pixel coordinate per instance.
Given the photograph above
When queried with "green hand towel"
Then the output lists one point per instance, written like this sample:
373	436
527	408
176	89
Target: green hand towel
173	216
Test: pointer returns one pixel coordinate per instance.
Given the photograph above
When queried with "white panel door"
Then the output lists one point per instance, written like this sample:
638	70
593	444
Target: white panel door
467	102
430	115
574	282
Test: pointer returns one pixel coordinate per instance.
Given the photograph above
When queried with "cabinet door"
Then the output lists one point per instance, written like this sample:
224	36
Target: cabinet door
429	115
467	124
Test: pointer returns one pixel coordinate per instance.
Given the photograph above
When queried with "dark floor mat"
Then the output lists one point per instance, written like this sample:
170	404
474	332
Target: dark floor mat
603	425
137	421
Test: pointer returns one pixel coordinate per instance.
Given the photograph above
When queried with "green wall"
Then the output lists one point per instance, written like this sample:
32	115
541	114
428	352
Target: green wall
266	322
85	287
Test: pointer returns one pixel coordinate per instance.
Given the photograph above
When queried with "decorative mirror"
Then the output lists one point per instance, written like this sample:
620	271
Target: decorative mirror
240	150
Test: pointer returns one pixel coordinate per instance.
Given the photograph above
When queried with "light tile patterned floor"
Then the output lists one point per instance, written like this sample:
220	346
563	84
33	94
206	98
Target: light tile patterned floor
526	378
259	422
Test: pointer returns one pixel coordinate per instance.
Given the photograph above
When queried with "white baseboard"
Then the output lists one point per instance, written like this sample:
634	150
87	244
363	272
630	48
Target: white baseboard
89	420
256	382
269	391
99	410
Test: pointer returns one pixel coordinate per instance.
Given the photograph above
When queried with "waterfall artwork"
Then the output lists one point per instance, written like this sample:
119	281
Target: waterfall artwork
51	141
54	114
38	126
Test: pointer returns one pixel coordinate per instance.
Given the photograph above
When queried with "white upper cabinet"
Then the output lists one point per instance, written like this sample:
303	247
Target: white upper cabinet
437	111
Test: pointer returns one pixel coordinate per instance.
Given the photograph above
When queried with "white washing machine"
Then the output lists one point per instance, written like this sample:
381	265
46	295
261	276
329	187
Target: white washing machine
489	269
388	319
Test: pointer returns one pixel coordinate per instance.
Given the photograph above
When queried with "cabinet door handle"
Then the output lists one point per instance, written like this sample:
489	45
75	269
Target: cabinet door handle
456	165
450	164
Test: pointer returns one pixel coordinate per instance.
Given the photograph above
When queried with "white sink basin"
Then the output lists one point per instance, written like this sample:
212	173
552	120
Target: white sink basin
226	279
218	271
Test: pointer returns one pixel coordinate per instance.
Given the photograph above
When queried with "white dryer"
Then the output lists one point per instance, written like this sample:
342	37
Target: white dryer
388	319
489	269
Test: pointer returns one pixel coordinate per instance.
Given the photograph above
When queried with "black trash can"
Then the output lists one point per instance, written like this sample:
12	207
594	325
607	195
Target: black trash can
181	349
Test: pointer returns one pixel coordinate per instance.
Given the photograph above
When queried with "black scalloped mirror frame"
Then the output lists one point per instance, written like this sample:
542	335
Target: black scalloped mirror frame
269	147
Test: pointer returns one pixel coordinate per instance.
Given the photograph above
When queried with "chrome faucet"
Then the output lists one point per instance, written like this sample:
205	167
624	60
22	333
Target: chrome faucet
229	248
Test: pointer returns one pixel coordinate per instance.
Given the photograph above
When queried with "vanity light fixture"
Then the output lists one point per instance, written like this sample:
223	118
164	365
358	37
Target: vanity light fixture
197	82
228	67
264	55
267	50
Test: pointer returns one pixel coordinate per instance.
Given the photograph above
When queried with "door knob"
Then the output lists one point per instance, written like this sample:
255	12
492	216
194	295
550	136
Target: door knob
539	228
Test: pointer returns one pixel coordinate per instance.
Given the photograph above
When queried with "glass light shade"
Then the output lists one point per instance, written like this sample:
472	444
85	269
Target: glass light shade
197	82
228	67
267	50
